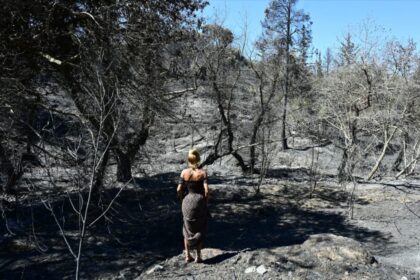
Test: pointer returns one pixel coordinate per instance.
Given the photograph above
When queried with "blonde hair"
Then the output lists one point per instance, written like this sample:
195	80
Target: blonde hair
193	159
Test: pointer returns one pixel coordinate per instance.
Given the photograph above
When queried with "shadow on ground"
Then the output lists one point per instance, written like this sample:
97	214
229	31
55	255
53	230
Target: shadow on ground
144	226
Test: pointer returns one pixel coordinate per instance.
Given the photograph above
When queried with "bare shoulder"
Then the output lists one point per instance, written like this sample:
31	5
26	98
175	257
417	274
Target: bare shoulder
204	172
184	171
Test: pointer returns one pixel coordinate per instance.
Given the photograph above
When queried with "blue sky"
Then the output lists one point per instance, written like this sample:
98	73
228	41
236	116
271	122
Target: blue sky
400	19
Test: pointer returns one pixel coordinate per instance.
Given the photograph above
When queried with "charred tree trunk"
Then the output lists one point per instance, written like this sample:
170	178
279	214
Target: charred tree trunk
126	159
342	169
123	166
99	180
398	161
353	124
241	162
401	155
264	108
252	154
289	43
13	174
225	117
283	126
210	159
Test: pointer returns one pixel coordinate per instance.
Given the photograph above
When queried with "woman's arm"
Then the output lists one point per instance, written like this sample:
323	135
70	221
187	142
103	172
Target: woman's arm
179	188
206	192
206	187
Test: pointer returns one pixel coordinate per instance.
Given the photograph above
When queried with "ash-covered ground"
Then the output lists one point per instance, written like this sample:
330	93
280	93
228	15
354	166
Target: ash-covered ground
302	224
141	237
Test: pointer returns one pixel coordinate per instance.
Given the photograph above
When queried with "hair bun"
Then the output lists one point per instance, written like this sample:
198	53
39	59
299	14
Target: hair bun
193	158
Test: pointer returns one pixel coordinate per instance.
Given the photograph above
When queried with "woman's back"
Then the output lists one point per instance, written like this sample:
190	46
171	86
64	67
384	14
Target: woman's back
194	180
195	186
190	174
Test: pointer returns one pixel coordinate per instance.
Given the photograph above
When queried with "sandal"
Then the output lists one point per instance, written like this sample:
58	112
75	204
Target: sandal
189	259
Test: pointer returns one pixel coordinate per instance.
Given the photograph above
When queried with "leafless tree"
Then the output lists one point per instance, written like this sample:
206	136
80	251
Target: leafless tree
88	172
223	66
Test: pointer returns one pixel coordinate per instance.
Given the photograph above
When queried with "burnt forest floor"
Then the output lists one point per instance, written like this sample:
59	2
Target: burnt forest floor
144	225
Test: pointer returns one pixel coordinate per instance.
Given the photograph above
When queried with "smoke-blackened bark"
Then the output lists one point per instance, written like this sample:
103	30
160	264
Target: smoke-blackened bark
13	174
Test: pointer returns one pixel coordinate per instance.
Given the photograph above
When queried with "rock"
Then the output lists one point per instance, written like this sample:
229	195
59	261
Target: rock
250	269
155	268
337	249
261	269
321	256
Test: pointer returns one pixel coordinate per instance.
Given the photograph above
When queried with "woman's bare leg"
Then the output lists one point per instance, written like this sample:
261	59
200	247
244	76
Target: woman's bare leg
199	247
188	256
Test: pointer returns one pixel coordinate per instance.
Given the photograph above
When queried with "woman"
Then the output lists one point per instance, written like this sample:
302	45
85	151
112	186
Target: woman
194	205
